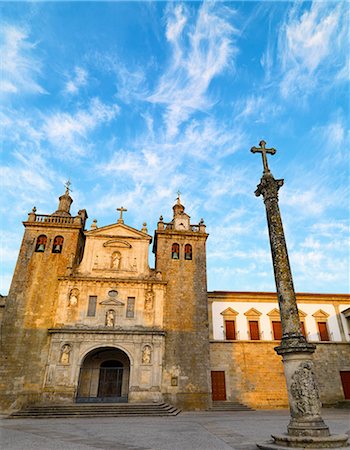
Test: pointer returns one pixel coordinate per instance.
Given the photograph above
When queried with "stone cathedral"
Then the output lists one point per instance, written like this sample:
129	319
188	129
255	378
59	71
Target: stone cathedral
88	320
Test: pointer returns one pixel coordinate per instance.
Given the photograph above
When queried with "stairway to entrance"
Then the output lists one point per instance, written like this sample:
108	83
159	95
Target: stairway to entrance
229	406
96	410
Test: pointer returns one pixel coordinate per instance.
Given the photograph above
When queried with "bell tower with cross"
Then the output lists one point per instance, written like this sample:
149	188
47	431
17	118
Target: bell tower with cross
52	244
180	250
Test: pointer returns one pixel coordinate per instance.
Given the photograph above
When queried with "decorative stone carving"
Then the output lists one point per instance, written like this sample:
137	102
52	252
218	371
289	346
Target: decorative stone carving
116	260
146	354
73	297
304	392
110	318
149	299
65	354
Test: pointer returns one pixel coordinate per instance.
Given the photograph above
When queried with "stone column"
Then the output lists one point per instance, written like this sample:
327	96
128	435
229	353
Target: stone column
306	427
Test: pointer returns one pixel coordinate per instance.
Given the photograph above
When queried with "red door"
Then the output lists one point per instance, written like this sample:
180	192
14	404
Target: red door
218	385
345	380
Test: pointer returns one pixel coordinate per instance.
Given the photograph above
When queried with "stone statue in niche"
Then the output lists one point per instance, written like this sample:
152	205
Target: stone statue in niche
304	391
146	354
116	260
73	297
149	300
65	354
110	318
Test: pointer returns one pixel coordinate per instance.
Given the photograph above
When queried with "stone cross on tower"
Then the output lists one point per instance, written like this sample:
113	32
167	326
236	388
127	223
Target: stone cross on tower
263	152
306	424
121	209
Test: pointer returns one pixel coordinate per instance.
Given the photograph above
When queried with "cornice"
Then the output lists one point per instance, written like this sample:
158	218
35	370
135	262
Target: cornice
114	331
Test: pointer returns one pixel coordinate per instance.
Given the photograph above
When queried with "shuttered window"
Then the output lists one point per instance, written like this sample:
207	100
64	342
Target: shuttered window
323	331
230	330
254	330
277	330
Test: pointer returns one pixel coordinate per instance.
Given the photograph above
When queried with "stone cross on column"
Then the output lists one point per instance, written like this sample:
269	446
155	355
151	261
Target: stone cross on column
306	423
121	209
263	152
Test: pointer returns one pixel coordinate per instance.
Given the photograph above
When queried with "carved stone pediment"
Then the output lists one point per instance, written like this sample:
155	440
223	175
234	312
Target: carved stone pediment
253	313
112	302
119	243
229	312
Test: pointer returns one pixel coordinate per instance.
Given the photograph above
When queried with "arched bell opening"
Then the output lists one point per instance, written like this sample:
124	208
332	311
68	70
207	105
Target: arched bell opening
104	376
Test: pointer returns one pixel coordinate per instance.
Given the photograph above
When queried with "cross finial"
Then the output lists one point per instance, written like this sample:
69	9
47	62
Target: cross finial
263	152
121	210
178	197
67	184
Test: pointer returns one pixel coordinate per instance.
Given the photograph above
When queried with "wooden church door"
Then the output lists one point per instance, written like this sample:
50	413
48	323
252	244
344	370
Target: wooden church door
218	385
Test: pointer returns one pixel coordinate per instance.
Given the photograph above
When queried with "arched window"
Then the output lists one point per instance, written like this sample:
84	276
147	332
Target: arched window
57	244
188	251
41	243
175	251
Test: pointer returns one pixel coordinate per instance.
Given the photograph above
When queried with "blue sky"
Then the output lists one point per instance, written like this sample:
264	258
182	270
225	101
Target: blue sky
134	101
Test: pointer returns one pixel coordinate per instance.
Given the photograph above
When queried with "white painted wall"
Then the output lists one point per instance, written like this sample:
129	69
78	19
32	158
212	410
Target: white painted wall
345	322
265	323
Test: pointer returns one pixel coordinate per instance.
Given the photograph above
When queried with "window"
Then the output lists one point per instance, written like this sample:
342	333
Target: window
92	305
321	318
323	331
41	243
277	330
188	251
253	316
229	324
175	251
57	244
130	308
230	330
254	330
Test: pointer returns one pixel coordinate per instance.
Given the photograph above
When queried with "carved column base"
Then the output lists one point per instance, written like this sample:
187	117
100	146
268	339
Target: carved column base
304	402
308	426
294	442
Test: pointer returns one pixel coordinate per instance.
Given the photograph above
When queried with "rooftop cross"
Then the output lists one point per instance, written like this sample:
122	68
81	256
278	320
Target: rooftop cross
68	183
178	196
121	209
263	152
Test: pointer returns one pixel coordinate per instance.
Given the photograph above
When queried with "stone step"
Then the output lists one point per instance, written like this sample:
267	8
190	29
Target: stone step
343	404
229	406
97	410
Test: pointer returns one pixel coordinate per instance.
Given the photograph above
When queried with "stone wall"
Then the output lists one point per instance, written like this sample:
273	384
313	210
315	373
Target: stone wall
330	358
254	372
186	368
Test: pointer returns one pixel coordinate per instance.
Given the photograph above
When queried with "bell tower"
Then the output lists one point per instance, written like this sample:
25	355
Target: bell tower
52	245
181	257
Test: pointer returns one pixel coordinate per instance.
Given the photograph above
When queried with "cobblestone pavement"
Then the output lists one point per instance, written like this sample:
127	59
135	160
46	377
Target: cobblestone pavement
187	431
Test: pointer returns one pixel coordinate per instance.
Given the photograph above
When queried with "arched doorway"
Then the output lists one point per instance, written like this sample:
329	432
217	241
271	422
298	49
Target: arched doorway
104	376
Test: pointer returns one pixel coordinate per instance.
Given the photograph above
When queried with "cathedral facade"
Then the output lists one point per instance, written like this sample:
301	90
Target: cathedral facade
88	320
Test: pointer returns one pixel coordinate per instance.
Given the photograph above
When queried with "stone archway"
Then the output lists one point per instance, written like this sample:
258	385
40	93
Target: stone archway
104	376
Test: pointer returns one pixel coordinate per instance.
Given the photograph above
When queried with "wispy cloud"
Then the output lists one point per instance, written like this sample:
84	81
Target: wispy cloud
68	131
78	80
258	108
20	66
199	53
312	47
